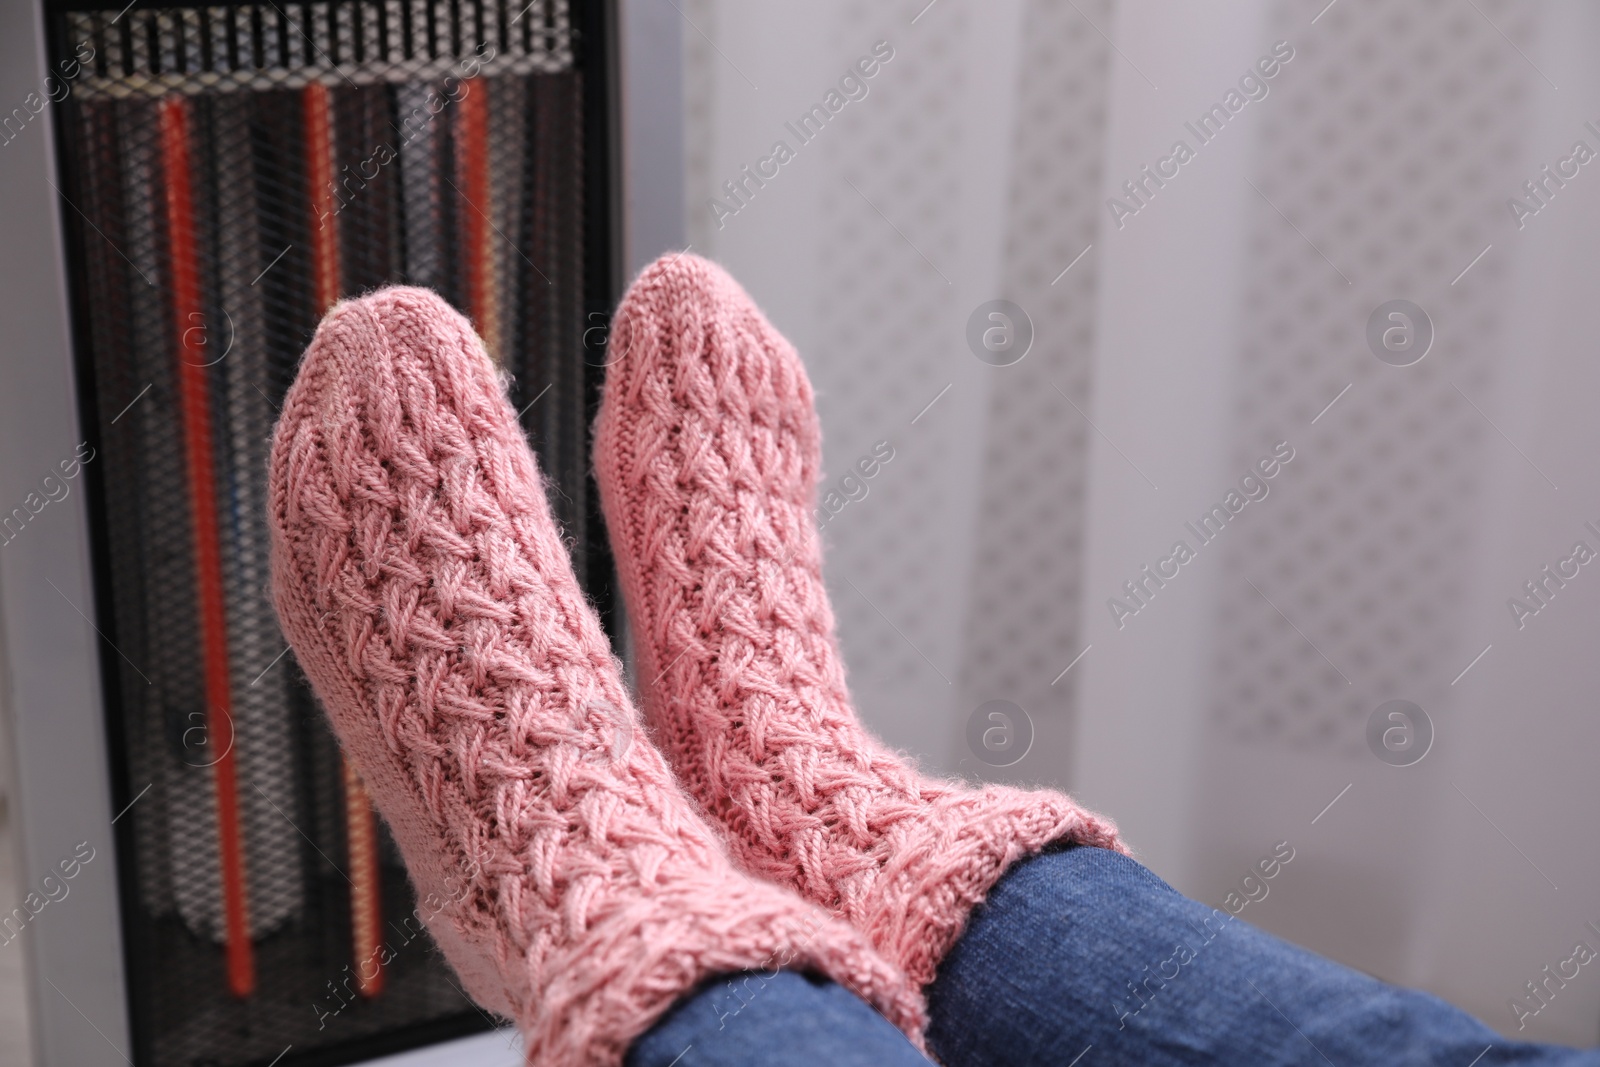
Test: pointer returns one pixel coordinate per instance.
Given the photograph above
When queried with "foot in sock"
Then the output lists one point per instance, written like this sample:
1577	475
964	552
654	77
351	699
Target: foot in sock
428	596
707	452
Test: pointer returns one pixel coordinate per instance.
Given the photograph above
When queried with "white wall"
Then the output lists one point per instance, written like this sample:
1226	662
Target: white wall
1220	319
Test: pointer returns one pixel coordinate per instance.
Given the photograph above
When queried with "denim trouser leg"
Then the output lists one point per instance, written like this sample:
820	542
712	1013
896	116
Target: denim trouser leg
1084	949
782	1020
1082	957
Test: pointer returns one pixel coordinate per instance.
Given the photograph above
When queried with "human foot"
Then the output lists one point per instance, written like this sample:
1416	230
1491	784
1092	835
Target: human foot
427	594
707	452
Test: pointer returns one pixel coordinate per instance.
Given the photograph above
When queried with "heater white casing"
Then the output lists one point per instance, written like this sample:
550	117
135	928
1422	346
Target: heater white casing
50	666
50	651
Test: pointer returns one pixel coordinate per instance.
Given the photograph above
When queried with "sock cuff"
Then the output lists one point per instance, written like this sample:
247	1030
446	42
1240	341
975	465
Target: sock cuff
948	859
610	987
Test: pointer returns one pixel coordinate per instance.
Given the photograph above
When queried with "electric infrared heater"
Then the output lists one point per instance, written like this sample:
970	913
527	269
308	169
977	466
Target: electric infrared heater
227	172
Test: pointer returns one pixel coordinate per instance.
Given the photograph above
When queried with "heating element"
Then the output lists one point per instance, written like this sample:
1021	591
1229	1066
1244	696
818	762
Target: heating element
229	172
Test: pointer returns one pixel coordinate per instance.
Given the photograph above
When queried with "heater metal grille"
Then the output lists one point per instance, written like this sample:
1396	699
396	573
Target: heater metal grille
228	173
354	42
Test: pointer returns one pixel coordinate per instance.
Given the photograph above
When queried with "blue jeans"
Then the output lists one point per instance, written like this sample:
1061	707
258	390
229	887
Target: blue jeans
1081	956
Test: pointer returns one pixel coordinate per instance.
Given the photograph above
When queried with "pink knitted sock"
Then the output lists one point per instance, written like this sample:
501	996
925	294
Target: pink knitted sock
708	451
428	596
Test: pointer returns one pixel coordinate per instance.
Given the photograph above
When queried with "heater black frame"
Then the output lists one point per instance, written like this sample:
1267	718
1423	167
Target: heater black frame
595	54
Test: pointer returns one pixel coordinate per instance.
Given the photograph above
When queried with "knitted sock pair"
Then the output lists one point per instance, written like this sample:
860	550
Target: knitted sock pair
425	589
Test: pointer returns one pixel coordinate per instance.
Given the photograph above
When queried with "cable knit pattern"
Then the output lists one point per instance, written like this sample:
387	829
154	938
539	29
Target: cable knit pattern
708	454
427	594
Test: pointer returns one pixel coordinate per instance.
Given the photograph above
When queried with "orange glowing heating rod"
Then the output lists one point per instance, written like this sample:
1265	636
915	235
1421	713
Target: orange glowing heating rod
478	256
194	403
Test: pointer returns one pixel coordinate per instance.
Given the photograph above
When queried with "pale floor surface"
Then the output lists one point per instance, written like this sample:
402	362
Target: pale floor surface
13	993
488	1050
